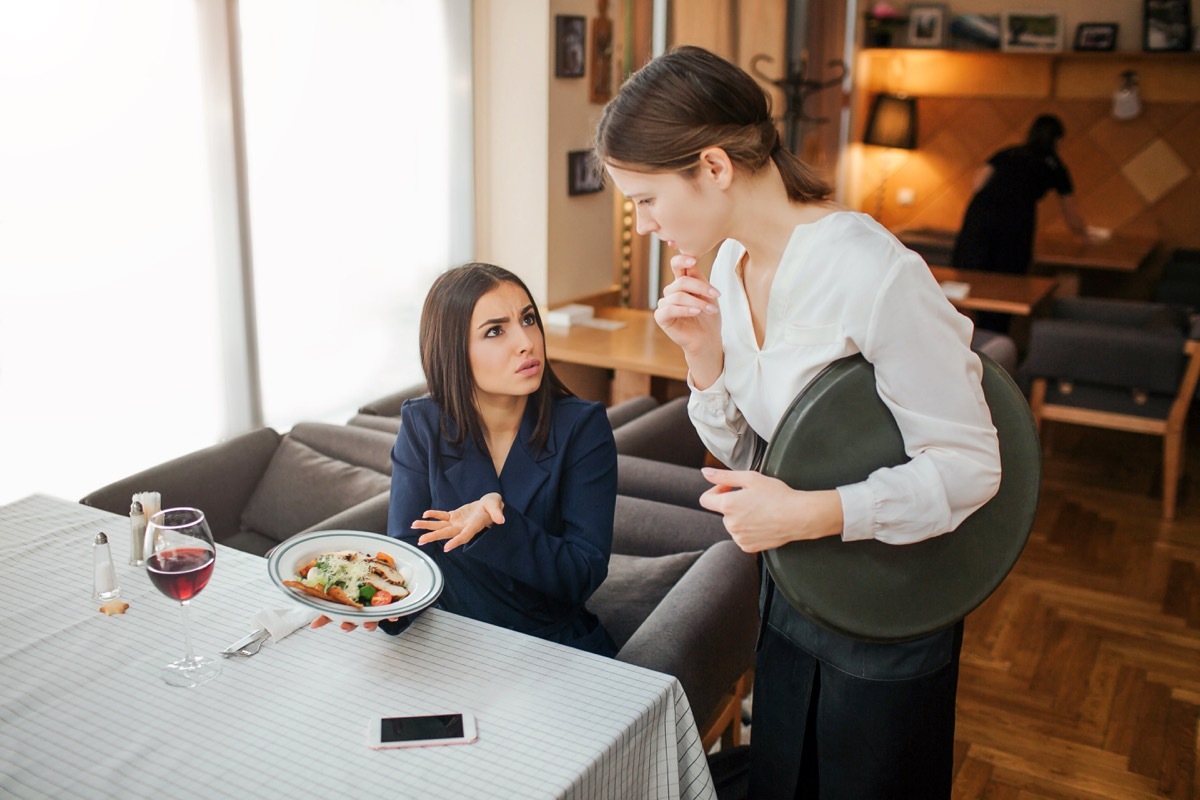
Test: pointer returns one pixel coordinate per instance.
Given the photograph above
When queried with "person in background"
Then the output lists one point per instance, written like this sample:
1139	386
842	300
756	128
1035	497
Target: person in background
1000	223
504	477
799	282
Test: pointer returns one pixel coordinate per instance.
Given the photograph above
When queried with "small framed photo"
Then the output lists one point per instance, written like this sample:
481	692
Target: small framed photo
1030	31
582	175
1099	36
975	31
570	35
926	25
1168	25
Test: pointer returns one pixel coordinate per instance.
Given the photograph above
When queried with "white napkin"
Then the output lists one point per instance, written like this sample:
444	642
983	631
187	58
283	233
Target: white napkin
283	621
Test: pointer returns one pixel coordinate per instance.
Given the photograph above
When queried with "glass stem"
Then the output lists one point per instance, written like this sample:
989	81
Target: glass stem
187	635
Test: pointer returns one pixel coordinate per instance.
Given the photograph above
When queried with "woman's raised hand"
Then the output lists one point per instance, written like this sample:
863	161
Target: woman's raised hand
463	523
688	313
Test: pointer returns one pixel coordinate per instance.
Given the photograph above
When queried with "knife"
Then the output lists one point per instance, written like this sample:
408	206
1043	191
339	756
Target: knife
246	641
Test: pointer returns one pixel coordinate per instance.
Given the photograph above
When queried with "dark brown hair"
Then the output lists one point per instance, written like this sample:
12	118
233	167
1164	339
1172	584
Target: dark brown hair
1044	133
445	339
686	101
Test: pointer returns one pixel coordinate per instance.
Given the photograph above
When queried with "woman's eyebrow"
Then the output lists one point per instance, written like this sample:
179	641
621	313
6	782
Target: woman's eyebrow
497	320
494	321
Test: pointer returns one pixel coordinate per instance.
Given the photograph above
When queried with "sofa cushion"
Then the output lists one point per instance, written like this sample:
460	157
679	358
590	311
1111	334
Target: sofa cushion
302	487
634	588
362	447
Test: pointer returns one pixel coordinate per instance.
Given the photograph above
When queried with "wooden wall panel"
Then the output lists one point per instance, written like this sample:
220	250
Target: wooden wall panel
762	30
711	24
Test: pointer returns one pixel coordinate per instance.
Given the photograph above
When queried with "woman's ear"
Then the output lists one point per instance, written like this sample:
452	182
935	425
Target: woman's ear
716	166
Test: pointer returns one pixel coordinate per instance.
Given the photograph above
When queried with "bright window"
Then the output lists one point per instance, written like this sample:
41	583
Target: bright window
350	134
106	265
115	212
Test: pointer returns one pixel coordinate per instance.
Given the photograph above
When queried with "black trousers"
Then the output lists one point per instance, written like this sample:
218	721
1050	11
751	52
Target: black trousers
837	719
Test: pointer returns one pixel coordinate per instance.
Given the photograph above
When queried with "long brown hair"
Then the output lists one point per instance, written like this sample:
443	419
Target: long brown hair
445	341
686	101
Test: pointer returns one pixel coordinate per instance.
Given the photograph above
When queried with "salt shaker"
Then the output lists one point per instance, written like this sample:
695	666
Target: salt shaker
137	535
104	586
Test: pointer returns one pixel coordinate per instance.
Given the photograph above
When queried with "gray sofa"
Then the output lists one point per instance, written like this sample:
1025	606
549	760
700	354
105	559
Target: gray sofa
259	488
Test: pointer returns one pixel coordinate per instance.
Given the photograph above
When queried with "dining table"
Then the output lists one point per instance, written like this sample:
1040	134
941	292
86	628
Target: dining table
1021	295
85	712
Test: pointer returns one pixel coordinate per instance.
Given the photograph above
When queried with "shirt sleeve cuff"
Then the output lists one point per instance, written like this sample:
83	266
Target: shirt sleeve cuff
710	402
858	512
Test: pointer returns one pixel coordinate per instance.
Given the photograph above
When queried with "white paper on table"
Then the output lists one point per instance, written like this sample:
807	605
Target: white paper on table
602	324
955	290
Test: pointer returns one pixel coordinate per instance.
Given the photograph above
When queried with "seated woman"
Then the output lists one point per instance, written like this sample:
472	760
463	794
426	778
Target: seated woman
501	474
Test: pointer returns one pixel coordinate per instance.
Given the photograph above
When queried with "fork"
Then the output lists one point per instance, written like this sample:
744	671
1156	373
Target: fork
251	647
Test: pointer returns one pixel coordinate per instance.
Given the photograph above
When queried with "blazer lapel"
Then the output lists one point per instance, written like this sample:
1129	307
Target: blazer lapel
525	472
469	475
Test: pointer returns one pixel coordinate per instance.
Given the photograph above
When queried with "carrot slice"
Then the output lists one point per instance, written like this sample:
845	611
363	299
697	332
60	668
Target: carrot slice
385	558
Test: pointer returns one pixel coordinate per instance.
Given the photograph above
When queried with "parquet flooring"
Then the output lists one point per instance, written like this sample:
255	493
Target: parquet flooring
1080	676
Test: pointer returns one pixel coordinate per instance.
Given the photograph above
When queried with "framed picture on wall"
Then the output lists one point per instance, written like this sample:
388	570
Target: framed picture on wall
926	25
1097	36
582	175
1168	25
570	35
1030	31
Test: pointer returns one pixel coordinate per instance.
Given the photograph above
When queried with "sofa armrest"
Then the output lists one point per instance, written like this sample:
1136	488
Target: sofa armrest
663	434
386	424
661	482
389	406
369	515
703	631
218	480
629	410
647	528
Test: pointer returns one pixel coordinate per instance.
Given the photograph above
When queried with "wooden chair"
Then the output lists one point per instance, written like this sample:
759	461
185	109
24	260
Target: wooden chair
1129	366
726	722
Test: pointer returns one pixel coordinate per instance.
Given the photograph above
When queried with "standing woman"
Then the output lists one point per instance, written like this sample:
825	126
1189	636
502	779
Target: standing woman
1000	223
798	283
506	479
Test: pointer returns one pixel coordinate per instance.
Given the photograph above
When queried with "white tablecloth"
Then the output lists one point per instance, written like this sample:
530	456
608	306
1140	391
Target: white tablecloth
83	712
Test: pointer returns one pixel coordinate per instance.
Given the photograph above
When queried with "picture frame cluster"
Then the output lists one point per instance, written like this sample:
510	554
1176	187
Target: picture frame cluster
1167	26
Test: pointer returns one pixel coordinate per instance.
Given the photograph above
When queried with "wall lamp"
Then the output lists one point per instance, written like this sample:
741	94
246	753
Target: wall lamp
891	123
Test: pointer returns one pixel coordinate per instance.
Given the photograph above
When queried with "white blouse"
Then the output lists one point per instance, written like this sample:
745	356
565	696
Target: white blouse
845	285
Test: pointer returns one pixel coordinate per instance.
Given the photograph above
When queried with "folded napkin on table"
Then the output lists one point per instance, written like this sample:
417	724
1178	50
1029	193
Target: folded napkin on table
283	621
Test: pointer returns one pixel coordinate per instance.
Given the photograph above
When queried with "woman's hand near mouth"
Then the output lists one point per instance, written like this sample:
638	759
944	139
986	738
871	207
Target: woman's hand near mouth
688	313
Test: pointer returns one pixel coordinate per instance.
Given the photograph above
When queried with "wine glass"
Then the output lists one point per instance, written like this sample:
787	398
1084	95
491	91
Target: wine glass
180	558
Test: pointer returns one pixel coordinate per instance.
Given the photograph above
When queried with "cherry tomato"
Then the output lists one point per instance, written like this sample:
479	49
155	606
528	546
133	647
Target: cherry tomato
381	598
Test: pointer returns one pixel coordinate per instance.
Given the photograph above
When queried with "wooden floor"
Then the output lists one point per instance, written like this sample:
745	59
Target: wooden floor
1080	676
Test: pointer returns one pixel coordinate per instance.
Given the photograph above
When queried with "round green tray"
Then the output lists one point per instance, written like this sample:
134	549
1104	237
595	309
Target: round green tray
837	432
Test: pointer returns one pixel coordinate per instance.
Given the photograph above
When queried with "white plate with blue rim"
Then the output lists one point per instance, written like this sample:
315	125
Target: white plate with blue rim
422	577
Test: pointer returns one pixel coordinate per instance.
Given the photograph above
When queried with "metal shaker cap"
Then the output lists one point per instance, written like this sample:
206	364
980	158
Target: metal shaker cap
101	538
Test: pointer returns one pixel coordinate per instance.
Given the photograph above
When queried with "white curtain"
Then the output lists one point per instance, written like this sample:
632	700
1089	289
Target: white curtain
107	286
355	128
114	326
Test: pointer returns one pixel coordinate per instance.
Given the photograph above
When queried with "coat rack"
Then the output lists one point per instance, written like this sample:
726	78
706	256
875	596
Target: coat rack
796	89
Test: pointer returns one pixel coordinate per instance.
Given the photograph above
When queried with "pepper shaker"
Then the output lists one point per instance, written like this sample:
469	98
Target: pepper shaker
137	535
104	586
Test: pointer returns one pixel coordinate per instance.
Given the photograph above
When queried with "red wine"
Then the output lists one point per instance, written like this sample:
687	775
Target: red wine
181	573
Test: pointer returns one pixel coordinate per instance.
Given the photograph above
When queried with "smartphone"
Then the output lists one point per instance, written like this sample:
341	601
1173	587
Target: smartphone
421	731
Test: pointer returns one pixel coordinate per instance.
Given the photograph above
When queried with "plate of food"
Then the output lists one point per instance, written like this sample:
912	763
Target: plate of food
355	576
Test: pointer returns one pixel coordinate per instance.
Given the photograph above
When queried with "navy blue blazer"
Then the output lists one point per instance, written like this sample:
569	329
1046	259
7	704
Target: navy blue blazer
533	573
